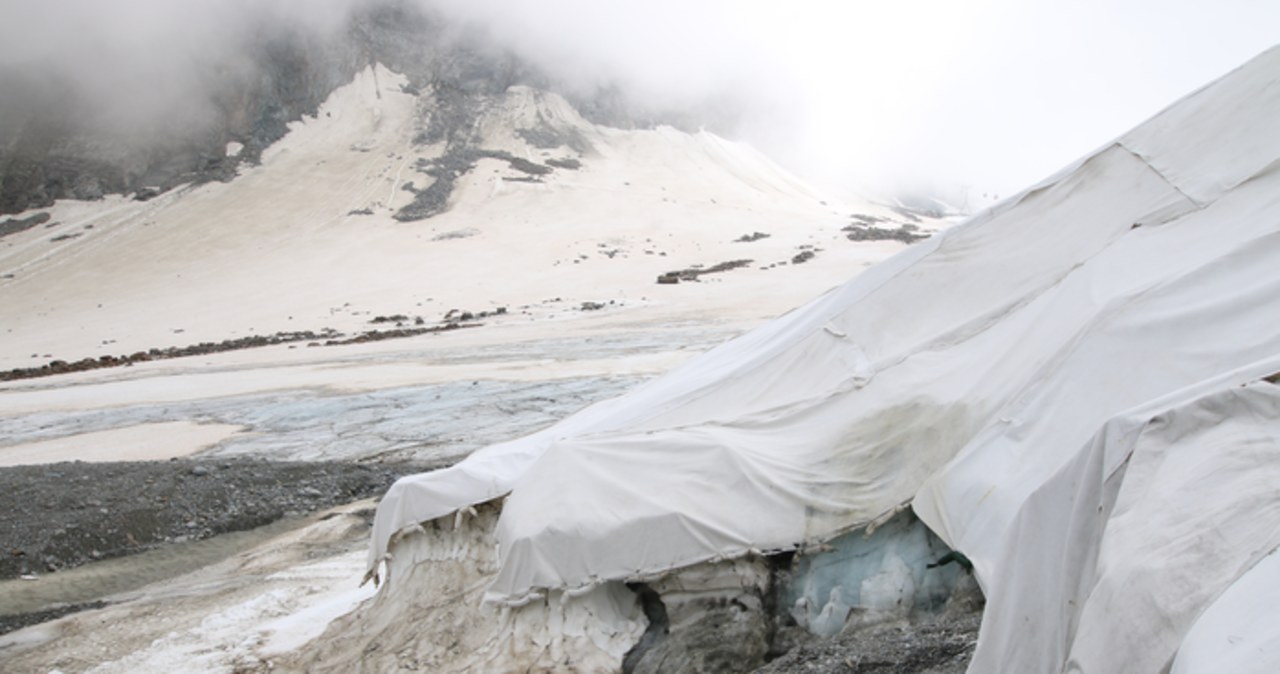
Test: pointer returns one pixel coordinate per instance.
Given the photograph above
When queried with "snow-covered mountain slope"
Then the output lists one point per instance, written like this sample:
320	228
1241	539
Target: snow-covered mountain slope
538	211
1075	389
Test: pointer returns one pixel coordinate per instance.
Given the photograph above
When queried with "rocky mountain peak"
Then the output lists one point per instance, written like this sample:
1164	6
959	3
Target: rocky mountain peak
59	141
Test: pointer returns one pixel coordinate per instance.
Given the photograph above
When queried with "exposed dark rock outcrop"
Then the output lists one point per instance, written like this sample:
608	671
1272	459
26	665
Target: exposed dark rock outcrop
55	144
803	256
459	158
863	232
547	136
84	364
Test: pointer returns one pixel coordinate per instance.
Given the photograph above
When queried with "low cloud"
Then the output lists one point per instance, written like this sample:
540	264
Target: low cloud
930	96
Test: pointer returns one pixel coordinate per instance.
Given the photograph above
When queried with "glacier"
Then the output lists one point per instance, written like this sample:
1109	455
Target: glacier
1076	389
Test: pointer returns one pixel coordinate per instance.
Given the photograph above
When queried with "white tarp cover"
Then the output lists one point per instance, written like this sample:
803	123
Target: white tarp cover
1068	388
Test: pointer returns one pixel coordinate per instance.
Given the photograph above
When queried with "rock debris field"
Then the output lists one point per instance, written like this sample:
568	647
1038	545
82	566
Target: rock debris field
54	517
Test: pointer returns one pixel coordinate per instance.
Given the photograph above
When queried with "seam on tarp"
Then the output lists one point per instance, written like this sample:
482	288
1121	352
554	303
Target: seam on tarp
1168	181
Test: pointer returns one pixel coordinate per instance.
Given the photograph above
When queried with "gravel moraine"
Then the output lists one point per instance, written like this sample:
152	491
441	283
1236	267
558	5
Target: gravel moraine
58	516
941	647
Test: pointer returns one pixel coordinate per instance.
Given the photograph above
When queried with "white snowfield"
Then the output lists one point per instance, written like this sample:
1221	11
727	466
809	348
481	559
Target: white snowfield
1076	389
307	239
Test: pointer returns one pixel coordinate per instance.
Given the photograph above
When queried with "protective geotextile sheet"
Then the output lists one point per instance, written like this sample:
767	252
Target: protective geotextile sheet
986	376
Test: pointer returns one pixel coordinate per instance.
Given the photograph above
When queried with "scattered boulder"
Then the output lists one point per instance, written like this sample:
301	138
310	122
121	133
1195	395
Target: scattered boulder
146	193
529	167
252	341
395	318
567	163
905	233
692	273
465	233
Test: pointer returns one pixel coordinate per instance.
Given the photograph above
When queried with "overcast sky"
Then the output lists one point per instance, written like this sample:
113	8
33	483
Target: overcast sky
940	96
981	96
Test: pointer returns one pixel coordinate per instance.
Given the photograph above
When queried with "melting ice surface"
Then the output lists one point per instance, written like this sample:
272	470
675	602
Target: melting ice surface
867	577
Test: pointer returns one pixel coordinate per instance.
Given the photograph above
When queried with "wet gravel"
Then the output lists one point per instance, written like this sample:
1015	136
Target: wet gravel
942	647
